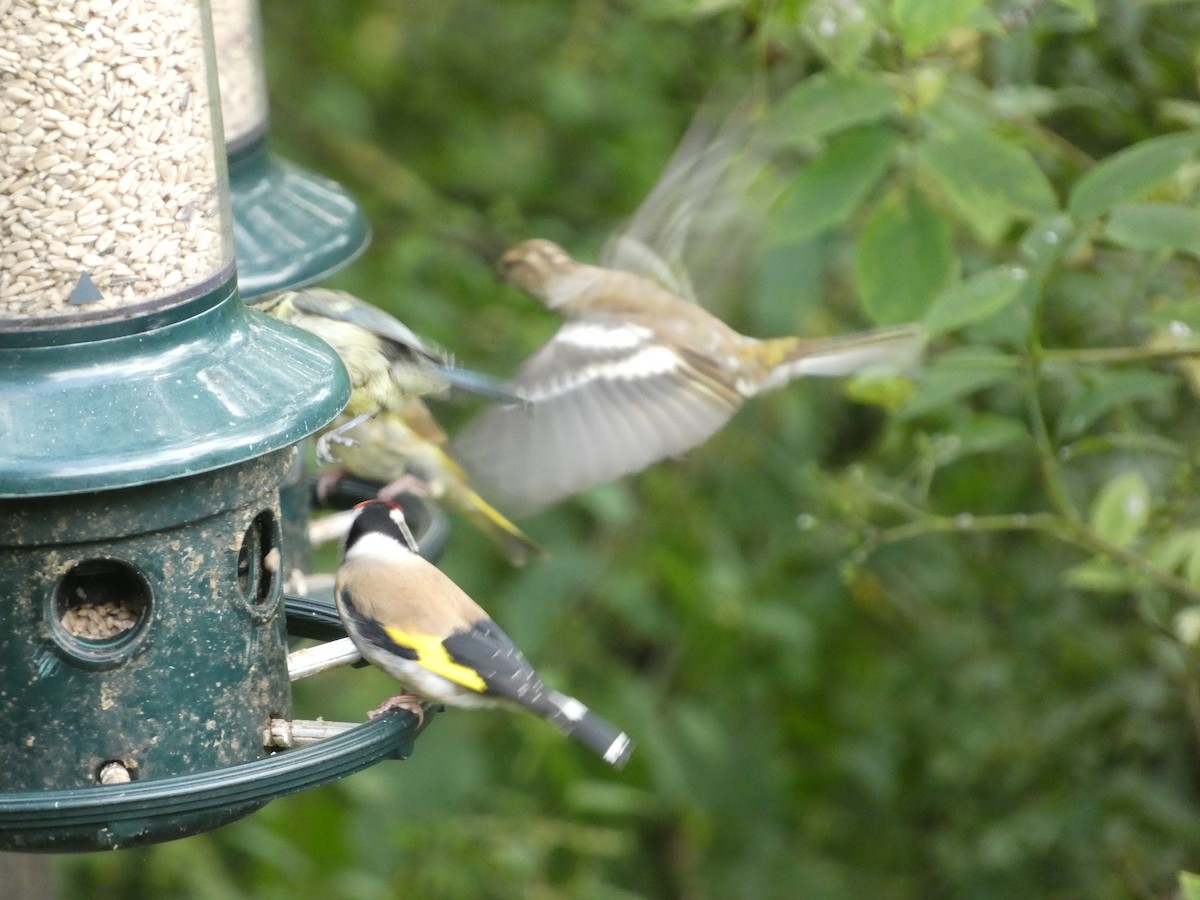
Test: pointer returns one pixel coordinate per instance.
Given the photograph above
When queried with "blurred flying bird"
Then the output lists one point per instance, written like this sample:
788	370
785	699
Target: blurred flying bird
638	371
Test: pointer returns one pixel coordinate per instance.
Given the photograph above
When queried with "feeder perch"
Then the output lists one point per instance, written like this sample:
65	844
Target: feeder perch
149	419
290	226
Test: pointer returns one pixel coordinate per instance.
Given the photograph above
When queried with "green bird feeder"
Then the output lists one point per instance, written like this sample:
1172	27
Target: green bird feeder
290	226
149	419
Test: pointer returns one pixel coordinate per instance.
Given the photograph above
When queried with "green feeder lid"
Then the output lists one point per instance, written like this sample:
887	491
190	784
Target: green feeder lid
109	406
290	226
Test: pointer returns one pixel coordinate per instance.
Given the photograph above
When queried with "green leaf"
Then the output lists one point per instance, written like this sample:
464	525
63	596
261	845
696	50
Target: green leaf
989	181
1155	227
981	433
839	31
903	258
1023	101
924	22
980	296
1130	173
1044	242
1179	552
1187	628
1122	508
1191	569
988	432
1106	392
887	392
833	185
828	103
956	374
1180	317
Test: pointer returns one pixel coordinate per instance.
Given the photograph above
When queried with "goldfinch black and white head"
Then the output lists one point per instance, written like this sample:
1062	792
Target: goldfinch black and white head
412	621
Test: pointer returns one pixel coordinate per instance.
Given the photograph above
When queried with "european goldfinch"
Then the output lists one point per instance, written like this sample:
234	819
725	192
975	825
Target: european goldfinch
416	624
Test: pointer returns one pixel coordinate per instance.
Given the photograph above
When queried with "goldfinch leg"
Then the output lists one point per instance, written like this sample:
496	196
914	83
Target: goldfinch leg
408	483
338	436
327	480
407	702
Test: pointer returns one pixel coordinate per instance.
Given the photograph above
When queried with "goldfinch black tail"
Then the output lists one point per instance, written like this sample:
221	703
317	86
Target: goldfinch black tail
579	723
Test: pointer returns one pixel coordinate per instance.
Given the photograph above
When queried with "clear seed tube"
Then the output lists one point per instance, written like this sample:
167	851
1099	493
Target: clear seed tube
238	33
112	168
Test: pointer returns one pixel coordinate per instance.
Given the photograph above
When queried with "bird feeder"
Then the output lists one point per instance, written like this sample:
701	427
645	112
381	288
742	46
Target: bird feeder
148	419
291	226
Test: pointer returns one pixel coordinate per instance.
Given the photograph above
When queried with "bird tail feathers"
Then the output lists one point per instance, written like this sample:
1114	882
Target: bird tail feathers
477	383
580	724
516	545
891	349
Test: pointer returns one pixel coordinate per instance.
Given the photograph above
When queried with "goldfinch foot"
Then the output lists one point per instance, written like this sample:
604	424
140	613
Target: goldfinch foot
327	480
406	702
408	483
338	436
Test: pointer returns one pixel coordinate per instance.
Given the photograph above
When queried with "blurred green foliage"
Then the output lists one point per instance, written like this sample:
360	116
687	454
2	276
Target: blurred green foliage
877	639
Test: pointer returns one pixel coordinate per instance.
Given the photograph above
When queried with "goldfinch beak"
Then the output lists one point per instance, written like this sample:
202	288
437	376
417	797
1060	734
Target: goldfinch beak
402	524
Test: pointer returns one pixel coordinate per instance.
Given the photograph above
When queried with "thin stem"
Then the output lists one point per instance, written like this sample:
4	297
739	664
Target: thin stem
1047	454
1114	355
966	522
1065	530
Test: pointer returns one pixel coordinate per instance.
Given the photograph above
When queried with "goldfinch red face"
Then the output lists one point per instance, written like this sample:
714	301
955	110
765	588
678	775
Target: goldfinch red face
380	530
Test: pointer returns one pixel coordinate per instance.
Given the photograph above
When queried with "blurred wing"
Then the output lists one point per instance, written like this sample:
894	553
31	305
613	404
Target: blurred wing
630	253
881	350
348	308
606	398
693	227
472	382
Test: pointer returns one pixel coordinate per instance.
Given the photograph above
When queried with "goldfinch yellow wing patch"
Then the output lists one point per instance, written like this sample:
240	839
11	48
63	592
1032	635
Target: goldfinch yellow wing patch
432	655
